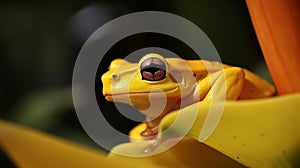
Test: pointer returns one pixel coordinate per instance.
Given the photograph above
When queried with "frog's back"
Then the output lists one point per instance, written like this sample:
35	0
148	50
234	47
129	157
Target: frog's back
254	86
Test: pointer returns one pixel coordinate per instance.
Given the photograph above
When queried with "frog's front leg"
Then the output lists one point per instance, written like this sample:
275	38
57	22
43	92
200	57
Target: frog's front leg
152	123
152	128
212	86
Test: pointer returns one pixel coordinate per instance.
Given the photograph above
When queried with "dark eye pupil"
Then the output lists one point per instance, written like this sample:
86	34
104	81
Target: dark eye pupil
153	74
153	69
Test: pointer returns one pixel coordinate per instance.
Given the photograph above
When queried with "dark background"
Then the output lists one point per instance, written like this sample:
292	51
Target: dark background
40	41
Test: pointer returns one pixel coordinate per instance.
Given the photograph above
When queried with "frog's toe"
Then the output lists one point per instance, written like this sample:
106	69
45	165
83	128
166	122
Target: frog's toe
149	132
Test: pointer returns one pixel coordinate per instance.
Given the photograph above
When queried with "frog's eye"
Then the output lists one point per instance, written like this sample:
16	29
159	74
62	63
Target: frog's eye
153	69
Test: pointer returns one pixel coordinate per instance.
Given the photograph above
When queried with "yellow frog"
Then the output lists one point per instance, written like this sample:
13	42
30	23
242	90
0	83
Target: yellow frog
157	86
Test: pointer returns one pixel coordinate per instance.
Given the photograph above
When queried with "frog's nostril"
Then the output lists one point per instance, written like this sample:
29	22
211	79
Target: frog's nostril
115	76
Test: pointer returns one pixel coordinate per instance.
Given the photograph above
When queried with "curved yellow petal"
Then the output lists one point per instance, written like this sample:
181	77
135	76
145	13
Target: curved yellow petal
29	148
187	153
256	133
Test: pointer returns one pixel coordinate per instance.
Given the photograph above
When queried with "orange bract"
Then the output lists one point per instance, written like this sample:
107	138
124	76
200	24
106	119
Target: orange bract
277	26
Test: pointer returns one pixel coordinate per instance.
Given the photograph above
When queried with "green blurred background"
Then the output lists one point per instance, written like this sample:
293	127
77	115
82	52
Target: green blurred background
40	41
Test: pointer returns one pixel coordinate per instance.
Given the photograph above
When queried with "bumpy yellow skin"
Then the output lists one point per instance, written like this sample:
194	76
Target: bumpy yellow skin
186	82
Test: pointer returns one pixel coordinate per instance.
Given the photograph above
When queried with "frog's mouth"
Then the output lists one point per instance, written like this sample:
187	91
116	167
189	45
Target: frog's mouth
156	94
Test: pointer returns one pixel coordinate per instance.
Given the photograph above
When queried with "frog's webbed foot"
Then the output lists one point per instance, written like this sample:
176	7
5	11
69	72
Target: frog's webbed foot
150	132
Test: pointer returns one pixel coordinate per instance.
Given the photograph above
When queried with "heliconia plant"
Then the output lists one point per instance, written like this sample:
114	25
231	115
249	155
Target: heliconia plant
256	133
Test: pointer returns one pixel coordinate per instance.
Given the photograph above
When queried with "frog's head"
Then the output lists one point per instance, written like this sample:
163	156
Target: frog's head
170	79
